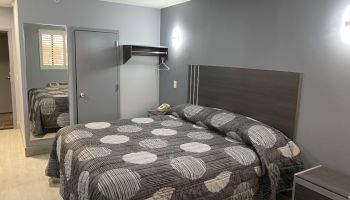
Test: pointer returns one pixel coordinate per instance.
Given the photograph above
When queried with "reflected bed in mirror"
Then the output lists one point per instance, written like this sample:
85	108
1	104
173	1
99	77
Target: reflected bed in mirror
47	79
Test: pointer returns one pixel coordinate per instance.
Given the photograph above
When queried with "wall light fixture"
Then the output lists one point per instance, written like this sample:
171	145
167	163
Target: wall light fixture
345	27
176	37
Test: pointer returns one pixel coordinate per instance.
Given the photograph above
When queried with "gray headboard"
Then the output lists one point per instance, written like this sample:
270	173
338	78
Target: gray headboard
271	97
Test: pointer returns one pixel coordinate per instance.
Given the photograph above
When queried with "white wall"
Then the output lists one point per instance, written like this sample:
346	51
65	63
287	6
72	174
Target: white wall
6	17
136	25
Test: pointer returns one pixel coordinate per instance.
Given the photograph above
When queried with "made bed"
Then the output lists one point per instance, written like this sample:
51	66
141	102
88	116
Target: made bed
48	109
194	152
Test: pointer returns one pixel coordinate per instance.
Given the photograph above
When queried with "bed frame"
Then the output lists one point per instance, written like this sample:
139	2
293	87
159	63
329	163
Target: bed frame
271	97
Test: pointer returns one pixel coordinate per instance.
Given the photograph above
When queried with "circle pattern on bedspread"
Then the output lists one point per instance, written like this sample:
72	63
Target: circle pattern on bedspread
36	104
230	140
173	117
114	139
61	191
47	105
153	143
93	152
243	191
55	92
142	120
201	135
32	100
58	147
42	95
262	135
221	119
171	123
76	135
258	170
189	167
83	186
164	132
290	150
140	158
60	95
241	154
39	90
192	110
163	194
63	120
195	147
121	184
129	129
218	183
51	88
68	164
97	125
197	127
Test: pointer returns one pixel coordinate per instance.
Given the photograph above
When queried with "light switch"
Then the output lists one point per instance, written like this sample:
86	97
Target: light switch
175	84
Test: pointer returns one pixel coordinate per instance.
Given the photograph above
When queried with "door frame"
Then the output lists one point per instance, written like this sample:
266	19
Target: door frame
12	74
73	101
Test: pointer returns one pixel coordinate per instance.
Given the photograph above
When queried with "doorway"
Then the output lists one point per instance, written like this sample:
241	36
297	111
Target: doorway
6	111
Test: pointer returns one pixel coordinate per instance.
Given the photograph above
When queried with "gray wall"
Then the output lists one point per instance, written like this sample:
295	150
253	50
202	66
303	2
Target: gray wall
299	35
136	25
37	77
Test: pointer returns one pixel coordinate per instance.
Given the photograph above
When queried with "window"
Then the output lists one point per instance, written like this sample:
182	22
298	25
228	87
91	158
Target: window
53	51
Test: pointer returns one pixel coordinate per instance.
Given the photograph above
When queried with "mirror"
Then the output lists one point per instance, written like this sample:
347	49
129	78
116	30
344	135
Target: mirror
47	79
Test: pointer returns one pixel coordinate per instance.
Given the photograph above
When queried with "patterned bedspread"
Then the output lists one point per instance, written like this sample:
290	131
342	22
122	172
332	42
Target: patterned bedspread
48	110
194	153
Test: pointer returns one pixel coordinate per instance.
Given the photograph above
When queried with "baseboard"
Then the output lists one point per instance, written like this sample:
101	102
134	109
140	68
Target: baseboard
33	151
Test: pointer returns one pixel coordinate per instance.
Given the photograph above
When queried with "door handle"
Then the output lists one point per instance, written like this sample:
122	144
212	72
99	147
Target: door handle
9	77
82	95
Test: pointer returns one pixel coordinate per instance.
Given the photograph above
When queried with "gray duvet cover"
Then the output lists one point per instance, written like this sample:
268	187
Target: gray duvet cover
48	110
194	153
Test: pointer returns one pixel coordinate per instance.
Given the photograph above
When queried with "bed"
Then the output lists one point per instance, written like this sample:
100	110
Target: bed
193	152
48	109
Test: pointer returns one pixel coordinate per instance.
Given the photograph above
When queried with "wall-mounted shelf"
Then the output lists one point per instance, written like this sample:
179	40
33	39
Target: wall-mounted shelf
137	50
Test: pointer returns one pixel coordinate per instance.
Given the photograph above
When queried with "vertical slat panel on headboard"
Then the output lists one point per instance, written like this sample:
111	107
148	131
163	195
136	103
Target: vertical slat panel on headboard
193	77
271	97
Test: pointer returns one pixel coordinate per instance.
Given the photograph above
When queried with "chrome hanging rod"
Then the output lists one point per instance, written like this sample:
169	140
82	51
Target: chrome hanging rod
150	52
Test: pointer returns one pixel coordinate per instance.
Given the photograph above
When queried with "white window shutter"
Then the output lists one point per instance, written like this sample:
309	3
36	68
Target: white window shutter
53	51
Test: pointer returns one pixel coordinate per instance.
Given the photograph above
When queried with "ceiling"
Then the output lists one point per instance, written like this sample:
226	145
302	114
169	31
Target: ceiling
149	3
5	3
145	3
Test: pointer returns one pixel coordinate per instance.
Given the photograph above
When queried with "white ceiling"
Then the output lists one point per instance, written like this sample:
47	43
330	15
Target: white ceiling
145	3
5	3
149	3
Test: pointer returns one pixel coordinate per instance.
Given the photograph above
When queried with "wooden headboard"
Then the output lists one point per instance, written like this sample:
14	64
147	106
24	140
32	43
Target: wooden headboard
271	97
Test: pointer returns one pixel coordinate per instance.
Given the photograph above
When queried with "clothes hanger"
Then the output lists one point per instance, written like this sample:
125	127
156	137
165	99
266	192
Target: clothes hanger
162	63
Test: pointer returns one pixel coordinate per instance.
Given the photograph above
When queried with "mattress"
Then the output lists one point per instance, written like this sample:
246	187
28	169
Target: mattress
193	153
48	109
